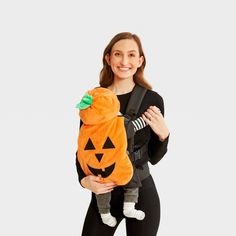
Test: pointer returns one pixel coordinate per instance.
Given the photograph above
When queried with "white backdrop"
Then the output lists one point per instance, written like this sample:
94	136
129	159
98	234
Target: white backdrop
51	52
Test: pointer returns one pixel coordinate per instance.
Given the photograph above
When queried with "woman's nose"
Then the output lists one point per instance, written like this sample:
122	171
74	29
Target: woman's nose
124	60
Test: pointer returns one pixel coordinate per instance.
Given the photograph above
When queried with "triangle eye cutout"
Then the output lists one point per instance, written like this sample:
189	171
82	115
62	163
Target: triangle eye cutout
108	144
89	145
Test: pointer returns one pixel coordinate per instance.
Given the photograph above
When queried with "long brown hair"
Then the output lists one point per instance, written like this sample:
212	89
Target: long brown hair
107	75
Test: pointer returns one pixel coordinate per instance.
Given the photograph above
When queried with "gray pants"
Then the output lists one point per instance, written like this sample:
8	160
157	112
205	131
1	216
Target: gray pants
103	200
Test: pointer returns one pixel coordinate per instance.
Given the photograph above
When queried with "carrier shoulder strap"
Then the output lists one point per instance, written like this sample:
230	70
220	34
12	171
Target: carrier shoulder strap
135	101
136	98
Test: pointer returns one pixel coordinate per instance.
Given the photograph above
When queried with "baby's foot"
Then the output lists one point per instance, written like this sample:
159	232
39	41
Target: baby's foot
108	219
131	212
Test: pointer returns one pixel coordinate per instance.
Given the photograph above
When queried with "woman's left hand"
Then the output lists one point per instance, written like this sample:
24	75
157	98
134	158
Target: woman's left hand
155	119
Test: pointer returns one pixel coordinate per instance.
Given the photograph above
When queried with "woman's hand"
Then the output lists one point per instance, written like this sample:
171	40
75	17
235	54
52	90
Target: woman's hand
154	118
93	184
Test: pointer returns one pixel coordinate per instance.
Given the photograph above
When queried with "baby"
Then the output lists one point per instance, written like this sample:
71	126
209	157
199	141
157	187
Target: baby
99	111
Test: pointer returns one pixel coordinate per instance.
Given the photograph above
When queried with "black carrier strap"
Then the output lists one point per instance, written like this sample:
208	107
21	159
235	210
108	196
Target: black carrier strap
135	101
136	98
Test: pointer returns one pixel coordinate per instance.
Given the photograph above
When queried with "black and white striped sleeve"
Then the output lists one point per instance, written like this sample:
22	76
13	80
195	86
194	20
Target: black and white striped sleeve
139	123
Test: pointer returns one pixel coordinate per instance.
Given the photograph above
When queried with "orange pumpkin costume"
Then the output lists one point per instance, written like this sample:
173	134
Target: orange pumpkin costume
102	141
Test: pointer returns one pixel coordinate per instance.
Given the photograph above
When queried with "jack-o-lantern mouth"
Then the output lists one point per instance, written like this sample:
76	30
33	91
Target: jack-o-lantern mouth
108	170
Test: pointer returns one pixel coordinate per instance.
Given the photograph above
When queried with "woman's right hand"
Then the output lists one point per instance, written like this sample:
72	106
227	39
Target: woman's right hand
93	184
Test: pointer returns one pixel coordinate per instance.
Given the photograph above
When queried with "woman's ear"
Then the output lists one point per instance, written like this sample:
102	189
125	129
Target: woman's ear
107	58
141	59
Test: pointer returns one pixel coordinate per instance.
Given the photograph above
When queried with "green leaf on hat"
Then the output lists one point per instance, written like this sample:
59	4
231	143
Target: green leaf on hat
85	102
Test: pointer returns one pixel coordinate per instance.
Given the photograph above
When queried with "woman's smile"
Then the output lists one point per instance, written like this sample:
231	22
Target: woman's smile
123	69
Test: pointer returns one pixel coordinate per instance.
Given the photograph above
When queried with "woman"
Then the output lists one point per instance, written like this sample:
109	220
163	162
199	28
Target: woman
123	67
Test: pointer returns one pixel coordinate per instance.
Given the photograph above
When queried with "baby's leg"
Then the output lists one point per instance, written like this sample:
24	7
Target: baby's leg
103	202
130	198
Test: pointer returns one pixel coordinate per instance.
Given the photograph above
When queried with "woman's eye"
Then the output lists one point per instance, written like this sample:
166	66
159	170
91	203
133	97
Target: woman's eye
132	55
117	54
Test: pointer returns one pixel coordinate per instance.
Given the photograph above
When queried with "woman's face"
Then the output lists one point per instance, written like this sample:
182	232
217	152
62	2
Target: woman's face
124	59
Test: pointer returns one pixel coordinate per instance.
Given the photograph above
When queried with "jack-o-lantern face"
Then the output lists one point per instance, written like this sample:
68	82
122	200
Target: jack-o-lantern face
103	152
105	172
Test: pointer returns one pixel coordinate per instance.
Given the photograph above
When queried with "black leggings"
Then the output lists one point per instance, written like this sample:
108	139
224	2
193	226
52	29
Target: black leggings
148	202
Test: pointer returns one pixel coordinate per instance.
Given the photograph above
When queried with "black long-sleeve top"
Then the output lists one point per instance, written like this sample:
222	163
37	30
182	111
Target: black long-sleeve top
156	148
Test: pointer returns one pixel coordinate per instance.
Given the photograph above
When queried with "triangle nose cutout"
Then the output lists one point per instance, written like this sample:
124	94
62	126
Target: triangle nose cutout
99	156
